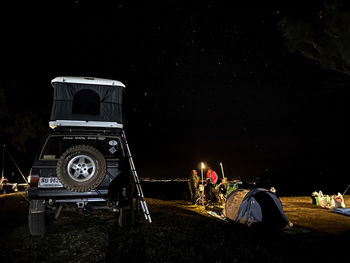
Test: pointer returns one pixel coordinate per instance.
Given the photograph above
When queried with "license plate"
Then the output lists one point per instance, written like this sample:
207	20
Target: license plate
49	182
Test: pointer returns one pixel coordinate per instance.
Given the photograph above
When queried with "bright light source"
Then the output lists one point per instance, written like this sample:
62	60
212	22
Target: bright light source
202	167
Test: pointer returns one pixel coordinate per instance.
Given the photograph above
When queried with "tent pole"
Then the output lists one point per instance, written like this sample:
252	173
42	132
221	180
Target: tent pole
14	162
346	189
3	162
202	166
222	170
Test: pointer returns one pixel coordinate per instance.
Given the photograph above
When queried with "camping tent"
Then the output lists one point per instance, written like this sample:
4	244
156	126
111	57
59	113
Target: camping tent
255	206
91	101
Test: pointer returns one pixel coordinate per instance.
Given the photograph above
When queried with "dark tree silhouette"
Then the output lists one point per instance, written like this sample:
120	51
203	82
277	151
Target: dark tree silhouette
21	130
320	32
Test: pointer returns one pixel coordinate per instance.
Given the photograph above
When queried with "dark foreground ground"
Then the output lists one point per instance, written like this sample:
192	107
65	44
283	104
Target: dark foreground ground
180	232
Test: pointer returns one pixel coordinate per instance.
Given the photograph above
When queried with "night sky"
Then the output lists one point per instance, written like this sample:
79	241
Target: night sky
205	81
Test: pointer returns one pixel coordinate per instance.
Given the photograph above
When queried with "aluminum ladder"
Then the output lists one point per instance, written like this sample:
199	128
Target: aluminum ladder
137	182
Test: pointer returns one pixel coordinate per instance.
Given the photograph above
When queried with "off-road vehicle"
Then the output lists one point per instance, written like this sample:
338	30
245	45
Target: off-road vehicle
85	161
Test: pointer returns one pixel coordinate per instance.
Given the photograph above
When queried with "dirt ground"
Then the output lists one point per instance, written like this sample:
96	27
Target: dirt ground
179	232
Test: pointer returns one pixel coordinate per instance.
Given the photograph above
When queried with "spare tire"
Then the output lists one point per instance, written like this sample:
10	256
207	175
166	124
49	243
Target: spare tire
81	168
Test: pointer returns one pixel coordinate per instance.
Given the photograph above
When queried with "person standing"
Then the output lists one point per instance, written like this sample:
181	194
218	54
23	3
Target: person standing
212	176
193	185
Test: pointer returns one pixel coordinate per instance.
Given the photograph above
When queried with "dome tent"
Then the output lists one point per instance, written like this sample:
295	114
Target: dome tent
258	206
86	101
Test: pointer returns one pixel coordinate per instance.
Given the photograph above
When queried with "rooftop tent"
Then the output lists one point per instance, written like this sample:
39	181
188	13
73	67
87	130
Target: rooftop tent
82	101
256	206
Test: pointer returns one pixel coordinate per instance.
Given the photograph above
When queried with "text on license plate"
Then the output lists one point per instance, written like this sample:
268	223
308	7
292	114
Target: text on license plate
49	182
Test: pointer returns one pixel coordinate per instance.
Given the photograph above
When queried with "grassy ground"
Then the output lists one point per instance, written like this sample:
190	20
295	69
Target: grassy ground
302	212
179	232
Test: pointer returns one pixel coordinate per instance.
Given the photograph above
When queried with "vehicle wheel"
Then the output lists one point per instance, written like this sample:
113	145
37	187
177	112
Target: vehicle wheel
36	217
81	168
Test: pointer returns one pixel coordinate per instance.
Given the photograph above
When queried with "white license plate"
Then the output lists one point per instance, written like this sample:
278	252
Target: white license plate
49	182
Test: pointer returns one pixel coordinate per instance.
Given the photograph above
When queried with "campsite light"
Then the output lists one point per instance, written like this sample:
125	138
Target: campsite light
202	167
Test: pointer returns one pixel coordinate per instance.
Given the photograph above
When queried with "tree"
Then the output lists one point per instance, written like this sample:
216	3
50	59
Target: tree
21	130
320	32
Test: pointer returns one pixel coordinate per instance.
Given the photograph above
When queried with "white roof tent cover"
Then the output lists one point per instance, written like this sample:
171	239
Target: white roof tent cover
86	101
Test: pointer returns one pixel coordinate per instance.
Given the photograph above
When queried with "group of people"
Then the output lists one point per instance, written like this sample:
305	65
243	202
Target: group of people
212	187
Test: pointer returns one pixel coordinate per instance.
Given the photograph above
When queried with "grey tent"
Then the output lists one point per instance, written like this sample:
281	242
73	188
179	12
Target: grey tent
85	101
256	206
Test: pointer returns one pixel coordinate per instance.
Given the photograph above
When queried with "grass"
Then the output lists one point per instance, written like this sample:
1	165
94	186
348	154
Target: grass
180	232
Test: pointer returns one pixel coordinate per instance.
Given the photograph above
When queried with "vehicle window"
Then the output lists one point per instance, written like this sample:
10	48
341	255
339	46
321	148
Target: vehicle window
55	146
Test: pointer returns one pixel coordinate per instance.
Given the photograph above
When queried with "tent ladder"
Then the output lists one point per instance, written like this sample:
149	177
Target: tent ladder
137	182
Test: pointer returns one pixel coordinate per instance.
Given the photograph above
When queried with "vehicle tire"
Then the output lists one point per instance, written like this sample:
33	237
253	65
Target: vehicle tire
81	168
36	217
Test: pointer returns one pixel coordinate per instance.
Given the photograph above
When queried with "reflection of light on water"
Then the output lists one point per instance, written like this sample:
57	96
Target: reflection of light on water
163	180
